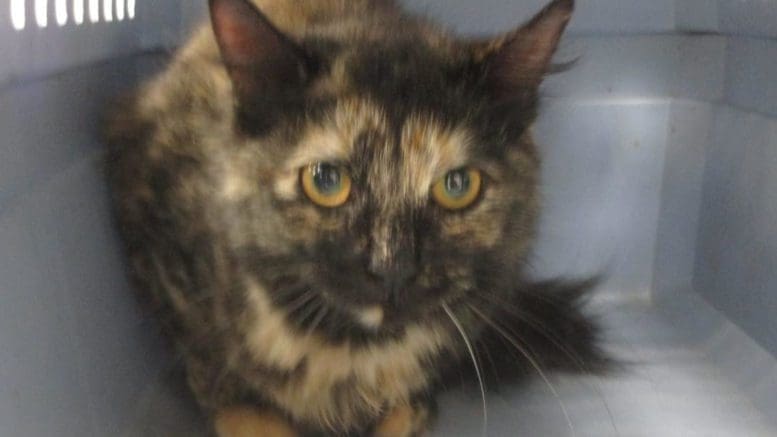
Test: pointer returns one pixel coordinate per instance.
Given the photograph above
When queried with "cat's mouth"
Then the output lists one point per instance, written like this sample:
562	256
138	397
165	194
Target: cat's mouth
389	316
349	309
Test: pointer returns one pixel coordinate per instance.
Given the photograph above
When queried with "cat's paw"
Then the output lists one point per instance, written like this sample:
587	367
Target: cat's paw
249	422
404	421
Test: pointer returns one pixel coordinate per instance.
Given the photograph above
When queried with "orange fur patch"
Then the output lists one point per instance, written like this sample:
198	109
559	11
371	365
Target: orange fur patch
402	421
248	422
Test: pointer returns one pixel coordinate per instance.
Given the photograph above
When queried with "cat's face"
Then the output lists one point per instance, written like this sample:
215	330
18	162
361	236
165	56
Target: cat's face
386	219
378	180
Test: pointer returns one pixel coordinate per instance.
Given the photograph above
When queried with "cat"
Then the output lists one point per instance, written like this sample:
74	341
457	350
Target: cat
329	205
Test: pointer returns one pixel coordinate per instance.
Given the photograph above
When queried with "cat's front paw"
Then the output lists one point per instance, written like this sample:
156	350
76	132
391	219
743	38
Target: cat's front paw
250	422
404	421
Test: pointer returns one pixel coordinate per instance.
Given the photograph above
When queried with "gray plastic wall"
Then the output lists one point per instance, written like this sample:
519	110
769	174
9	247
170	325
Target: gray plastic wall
661	170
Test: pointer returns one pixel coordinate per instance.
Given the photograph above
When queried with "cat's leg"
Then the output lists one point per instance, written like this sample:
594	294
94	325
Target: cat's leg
405	421
251	422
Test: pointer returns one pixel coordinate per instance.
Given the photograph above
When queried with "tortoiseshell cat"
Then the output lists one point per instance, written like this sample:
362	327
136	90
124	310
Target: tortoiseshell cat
329	204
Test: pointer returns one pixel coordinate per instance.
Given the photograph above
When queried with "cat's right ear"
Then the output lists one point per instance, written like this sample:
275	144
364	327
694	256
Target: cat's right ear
267	68
517	61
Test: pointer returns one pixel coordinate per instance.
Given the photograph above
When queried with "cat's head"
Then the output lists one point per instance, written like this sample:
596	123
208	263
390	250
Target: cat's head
373	176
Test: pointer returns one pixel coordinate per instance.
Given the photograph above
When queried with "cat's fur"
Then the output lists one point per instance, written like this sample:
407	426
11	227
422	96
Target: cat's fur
331	320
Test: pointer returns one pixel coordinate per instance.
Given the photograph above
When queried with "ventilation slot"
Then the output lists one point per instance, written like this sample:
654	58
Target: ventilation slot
69	12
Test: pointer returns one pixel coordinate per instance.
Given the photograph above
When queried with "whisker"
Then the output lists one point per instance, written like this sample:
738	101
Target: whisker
532	361
299	302
322	312
537	325
464	337
493	365
310	309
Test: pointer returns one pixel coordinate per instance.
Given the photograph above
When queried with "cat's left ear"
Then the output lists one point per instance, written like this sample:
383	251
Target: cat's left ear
516	63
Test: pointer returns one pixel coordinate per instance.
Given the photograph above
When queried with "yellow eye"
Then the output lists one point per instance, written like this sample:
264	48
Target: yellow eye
458	189
325	184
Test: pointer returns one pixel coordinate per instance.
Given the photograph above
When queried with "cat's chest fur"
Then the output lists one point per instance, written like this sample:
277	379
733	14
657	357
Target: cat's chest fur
334	384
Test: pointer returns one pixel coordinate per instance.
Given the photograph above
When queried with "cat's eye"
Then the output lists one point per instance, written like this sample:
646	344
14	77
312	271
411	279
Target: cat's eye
458	189
325	184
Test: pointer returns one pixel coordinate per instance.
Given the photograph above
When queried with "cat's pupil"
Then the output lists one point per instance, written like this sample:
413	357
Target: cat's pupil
326	177
457	183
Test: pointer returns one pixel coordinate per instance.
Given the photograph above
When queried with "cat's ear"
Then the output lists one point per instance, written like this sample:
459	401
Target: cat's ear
516	62
265	65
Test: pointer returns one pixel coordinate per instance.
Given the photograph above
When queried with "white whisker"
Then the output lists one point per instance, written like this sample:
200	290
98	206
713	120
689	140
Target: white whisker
596	385
474	363
320	314
298	302
532	361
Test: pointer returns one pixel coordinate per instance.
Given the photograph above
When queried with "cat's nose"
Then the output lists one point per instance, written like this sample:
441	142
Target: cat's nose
396	275
392	259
